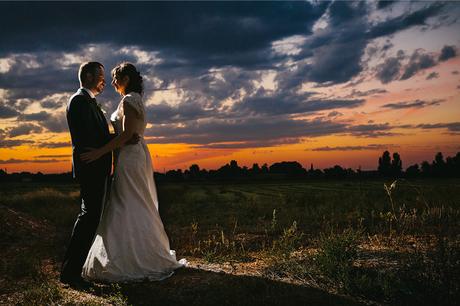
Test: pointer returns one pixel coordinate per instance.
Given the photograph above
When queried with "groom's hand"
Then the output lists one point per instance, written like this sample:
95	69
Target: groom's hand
134	140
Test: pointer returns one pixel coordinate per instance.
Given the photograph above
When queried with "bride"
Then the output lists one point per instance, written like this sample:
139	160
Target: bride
130	242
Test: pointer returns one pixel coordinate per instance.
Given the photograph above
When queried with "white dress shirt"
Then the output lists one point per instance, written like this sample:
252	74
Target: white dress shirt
89	92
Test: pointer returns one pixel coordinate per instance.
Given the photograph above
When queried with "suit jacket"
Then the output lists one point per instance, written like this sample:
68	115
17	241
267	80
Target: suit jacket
88	129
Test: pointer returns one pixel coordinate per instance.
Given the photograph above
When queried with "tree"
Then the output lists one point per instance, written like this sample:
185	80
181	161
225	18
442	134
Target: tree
385	164
413	171
439	165
255	169
396	164
426	168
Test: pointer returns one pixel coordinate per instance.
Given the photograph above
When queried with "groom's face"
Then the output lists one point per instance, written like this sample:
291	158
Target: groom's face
99	81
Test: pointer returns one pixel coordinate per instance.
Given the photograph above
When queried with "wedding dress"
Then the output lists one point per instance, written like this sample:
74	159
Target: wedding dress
131	243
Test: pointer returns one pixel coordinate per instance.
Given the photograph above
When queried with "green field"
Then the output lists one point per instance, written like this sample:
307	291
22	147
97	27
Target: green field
289	242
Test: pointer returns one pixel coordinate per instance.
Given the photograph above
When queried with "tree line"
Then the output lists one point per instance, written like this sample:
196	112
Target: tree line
389	166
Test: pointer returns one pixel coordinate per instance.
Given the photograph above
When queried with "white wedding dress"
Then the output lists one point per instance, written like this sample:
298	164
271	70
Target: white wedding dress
131	243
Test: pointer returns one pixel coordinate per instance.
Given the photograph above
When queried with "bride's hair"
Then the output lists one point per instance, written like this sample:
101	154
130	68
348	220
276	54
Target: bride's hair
135	79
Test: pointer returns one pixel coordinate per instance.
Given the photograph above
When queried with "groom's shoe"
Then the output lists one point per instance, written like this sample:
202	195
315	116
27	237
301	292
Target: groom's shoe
76	283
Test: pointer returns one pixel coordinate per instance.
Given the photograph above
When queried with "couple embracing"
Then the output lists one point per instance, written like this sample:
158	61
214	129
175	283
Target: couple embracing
118	235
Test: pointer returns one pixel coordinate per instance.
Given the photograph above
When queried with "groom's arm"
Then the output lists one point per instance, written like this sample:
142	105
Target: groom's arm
80	122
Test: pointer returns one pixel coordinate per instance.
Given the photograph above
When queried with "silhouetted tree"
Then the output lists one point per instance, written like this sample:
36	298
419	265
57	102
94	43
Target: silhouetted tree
385	164
255	170
426	168
413	171
396	164
194	171
292	168
264	169
439	165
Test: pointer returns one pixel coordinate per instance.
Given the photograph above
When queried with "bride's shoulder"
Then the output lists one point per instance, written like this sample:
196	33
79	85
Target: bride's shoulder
132	96
134	99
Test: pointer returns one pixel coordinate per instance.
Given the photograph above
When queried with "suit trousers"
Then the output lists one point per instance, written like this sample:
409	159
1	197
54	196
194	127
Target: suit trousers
93	193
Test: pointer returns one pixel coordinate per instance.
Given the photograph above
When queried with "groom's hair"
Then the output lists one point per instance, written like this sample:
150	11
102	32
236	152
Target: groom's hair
88	67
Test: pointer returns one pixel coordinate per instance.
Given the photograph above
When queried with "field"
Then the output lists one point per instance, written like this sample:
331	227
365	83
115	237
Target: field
273	243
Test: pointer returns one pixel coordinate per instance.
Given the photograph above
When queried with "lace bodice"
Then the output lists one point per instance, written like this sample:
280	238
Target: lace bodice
118	118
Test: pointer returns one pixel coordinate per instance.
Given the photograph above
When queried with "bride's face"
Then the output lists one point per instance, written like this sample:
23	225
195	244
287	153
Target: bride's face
120	84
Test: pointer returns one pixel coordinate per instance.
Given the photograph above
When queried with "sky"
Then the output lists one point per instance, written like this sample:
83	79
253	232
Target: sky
317	82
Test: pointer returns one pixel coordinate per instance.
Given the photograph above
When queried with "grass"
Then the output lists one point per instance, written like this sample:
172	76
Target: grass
384	242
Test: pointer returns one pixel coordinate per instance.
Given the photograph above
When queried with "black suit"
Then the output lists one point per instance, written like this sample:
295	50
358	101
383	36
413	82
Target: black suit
88	129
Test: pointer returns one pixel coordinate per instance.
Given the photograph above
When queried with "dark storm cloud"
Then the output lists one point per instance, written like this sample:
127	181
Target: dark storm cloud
210	52
40	116
56	123
7	112
447	52
263	103
165	113
393	68
248	129
384	3
24	129
413	104
196	30
405	21
337	50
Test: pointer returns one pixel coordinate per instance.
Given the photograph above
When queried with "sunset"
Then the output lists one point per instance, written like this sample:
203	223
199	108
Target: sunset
231	153
255	82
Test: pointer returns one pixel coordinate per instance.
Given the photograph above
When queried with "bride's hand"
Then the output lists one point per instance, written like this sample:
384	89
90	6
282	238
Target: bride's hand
91	155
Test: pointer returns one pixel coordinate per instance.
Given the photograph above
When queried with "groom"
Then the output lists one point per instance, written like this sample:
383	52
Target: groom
88	129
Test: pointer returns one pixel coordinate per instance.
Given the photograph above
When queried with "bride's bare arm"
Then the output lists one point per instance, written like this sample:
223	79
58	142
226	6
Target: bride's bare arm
127	134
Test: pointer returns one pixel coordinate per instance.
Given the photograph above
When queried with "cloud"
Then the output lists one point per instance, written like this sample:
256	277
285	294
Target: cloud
418	61
242	130
393	68
250	144
371	130
413	104
433	75
40	116
389	70
7	112
381	4
447	52
353	148
371	92
10	143
53	145
54	156
57	123
451	126
334	114
405	21
22	161
24	129
264	102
